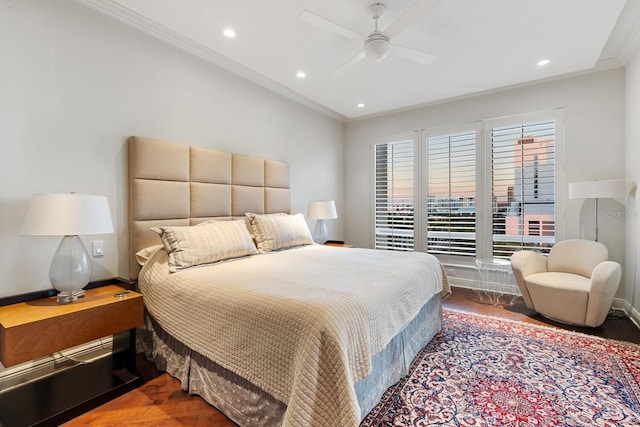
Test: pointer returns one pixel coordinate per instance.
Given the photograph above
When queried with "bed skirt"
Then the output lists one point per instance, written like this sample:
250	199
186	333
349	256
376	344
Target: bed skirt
248	405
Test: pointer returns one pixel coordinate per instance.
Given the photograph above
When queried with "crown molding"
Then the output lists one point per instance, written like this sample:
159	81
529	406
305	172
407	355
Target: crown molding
605	64
630	44
116	10
625	37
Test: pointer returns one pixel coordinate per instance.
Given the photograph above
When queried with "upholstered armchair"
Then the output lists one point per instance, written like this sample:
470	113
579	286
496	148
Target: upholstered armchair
574	284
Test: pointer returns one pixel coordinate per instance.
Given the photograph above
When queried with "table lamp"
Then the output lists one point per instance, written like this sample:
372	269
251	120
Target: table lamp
68	215
321	210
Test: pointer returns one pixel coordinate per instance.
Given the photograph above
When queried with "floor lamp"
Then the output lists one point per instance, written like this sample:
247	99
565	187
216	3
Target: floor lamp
610	189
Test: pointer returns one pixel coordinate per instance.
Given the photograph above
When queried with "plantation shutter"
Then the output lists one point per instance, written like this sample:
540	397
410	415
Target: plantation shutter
451	194
523	186
394	195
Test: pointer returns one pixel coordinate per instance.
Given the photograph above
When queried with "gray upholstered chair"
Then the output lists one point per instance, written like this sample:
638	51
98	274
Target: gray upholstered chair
574	284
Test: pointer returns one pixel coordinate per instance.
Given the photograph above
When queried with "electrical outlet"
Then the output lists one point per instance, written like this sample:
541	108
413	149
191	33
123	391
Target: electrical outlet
98	248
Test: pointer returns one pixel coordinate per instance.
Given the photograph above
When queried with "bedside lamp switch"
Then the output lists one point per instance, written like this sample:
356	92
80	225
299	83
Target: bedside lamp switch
98	248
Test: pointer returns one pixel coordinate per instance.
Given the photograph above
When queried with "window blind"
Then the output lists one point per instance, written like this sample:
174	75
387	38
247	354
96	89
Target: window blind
451	194
523	187
394	195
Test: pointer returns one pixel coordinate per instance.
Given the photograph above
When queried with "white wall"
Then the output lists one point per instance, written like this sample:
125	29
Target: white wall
594	147
632	212
75	84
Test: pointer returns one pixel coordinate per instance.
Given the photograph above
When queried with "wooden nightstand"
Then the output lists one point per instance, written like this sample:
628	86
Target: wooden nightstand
341	245
33	329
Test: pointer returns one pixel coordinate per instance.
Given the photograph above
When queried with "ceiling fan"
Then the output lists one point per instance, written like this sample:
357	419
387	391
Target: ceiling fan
378	44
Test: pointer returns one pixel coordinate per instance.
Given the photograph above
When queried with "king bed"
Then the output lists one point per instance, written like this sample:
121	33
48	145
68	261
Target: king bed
247	312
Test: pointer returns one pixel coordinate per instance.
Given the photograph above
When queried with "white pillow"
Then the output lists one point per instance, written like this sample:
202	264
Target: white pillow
205	243
143	255
279	231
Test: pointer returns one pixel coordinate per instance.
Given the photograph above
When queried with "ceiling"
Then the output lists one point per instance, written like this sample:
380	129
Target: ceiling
478	45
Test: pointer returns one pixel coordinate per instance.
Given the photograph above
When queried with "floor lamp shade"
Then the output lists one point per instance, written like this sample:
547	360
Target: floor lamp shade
68	215
612	189
598	189
321	210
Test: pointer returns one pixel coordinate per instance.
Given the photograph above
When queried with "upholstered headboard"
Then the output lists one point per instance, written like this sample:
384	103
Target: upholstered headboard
176	184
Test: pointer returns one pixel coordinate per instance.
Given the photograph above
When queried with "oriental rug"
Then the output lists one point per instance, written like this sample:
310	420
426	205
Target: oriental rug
486	371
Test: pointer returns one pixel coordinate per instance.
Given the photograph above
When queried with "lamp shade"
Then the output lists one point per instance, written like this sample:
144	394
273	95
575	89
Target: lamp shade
322	209
67	214
613	188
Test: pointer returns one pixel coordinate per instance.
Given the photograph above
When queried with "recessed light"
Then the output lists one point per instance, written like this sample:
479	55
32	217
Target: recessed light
543	62
361	105
229	33
301	74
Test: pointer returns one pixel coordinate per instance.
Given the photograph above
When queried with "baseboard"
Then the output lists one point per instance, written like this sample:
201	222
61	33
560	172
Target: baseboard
634	315
624	305
472	284
27	372
461	282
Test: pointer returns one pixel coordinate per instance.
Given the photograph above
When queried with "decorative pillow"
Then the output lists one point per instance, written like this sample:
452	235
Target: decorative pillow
279	231
205	243
143	255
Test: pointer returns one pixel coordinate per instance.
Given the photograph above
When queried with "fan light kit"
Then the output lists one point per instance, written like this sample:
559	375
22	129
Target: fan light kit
376	46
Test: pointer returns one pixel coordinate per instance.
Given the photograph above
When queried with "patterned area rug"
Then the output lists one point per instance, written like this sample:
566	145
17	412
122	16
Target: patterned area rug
485	371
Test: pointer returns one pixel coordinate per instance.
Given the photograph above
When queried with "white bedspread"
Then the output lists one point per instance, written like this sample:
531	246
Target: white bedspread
302	324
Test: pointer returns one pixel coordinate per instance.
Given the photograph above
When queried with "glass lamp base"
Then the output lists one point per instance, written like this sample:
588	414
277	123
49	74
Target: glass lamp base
70	269
320	232
70	296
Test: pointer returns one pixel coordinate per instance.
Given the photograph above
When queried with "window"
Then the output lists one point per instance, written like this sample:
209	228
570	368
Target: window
394	193
451	194
481	190
523	186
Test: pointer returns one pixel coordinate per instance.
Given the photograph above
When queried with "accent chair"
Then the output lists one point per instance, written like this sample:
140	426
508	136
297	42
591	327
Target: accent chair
574	284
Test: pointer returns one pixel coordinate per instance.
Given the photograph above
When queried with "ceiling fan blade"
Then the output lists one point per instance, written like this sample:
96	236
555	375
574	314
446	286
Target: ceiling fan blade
347	65
325	24
414	13
412	54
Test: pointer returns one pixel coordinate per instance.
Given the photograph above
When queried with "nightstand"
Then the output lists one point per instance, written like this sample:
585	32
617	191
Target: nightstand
33	329
341	245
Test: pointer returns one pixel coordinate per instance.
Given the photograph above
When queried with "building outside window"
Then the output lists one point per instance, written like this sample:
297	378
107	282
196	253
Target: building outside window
523	186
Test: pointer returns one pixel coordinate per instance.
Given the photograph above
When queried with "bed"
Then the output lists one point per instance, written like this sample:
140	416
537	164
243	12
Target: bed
247	312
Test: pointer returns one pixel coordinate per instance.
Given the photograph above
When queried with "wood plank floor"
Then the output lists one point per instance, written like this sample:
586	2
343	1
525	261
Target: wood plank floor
161	402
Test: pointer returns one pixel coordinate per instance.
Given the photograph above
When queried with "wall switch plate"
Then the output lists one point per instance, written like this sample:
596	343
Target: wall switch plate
98	248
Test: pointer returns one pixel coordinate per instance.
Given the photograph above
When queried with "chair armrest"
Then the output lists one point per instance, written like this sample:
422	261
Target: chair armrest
605	280
528	262
524	263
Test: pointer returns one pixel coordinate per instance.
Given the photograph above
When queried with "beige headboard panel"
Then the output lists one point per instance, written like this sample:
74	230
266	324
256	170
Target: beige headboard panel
176	184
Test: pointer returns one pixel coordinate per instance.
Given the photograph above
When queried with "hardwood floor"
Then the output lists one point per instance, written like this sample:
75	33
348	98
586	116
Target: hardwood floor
161	402
616	327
